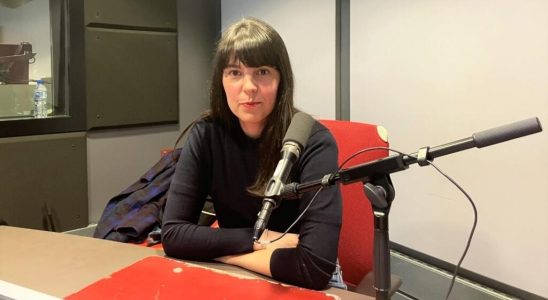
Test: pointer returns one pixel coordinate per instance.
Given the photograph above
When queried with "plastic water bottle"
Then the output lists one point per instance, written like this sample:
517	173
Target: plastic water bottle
40	97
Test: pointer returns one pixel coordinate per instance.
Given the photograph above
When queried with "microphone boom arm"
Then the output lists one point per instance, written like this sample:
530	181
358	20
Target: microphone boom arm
395	163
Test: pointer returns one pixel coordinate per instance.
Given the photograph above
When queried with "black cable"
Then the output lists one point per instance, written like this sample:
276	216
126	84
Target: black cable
304	248
296	220
321	187
363	151
469	241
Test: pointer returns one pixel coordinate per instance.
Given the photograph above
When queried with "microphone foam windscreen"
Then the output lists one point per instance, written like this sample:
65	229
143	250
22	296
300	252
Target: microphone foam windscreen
507	132
299	129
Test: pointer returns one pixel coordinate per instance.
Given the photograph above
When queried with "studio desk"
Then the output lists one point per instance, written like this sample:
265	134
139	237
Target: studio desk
76	267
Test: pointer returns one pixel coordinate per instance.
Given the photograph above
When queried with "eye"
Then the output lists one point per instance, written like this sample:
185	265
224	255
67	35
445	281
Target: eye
263	71
233	72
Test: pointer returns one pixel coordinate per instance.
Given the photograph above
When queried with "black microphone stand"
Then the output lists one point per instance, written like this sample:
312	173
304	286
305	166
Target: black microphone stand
379	189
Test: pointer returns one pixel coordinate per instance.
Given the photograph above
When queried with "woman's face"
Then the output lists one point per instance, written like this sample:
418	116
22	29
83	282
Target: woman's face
251	94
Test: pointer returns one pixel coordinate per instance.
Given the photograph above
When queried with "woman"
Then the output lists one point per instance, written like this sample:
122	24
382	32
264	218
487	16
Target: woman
230	154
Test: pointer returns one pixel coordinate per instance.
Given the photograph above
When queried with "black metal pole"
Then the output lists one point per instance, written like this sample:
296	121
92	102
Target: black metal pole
381	267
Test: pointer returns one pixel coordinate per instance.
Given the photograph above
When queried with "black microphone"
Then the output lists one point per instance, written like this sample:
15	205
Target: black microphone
294	141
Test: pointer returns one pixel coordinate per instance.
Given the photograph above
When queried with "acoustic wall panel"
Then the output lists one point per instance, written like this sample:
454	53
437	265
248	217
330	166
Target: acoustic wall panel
131	77
131	71
139	13
44	181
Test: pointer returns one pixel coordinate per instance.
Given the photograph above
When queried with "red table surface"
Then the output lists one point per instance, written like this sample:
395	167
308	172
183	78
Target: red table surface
157	277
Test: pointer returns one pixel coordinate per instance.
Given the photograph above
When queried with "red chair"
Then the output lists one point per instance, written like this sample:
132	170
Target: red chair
357	233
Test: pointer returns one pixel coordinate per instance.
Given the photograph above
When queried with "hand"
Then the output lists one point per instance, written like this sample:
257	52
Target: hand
259	260
289	240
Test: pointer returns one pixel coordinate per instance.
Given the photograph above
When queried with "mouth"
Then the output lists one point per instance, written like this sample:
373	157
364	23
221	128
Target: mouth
250	104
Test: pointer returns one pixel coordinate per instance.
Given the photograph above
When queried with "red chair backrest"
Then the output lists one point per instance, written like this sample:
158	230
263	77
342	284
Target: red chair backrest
356	240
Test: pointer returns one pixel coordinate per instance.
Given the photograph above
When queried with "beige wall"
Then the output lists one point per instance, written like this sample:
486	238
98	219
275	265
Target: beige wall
436	71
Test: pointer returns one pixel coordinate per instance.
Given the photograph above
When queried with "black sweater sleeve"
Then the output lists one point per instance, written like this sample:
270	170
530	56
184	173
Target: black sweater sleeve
312	263
181	237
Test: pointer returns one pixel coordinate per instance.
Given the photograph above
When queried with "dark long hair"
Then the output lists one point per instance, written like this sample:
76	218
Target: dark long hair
254	43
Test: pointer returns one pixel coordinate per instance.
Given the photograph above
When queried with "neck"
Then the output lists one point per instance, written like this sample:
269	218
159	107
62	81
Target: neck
252	130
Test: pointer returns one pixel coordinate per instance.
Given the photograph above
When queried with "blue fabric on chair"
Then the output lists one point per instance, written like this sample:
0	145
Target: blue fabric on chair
132	214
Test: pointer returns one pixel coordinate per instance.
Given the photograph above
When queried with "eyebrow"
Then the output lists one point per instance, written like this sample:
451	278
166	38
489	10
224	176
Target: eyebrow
239	65
232	66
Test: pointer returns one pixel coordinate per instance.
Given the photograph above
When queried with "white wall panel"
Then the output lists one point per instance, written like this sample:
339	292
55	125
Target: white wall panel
436	71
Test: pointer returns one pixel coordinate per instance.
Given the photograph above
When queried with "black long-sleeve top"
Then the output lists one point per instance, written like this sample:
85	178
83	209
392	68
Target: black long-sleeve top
222	164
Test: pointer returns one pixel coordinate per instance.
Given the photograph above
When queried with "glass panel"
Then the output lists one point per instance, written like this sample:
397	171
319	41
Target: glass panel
29	52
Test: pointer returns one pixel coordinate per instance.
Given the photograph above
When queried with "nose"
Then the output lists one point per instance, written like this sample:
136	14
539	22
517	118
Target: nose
249	86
